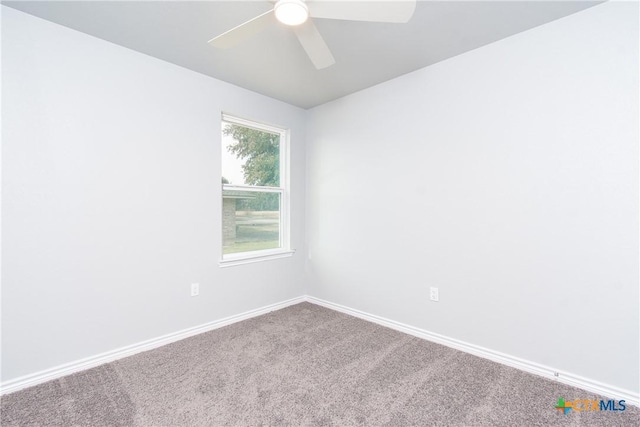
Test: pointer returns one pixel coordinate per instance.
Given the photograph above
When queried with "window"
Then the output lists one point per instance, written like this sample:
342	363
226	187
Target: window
255	203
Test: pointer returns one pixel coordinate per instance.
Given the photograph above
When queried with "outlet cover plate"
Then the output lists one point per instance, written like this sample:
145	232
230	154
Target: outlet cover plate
433	294
195	289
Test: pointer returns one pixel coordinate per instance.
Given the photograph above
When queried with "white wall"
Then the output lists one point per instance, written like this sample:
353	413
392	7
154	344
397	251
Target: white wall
508	178
111	198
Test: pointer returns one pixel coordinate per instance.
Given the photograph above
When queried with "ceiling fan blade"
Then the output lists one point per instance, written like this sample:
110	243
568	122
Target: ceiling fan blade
395	11
243	31
314	45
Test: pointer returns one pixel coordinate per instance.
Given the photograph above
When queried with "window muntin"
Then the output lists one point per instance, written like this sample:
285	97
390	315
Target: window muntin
254	190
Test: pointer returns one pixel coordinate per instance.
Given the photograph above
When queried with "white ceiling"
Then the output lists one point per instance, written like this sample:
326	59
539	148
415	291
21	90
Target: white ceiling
274	62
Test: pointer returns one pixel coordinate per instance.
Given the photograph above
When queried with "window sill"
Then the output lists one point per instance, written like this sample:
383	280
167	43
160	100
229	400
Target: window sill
251	257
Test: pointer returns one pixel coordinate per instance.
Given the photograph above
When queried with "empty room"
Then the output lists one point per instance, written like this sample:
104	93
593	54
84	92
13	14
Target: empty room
321	212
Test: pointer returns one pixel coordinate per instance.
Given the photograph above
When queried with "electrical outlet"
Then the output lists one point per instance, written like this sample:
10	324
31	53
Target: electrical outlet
195	289
433	294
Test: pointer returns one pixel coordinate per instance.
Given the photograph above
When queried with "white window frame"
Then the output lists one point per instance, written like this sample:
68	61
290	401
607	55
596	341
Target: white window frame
239	258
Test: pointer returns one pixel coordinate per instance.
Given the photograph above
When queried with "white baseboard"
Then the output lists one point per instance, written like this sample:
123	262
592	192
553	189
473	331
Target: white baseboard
495	356
505	359
109	356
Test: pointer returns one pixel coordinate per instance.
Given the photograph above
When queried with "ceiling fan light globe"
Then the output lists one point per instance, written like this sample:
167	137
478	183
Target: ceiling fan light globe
291	12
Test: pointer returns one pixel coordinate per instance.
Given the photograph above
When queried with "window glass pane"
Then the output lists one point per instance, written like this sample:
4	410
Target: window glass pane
250	156
250	221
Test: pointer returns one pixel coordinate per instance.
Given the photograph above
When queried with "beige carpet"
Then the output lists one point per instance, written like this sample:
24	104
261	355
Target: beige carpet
303	365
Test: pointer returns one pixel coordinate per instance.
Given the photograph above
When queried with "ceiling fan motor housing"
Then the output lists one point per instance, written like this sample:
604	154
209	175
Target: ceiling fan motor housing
291	12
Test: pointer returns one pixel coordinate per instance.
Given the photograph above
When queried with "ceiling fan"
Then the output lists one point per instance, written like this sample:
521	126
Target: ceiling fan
296	14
